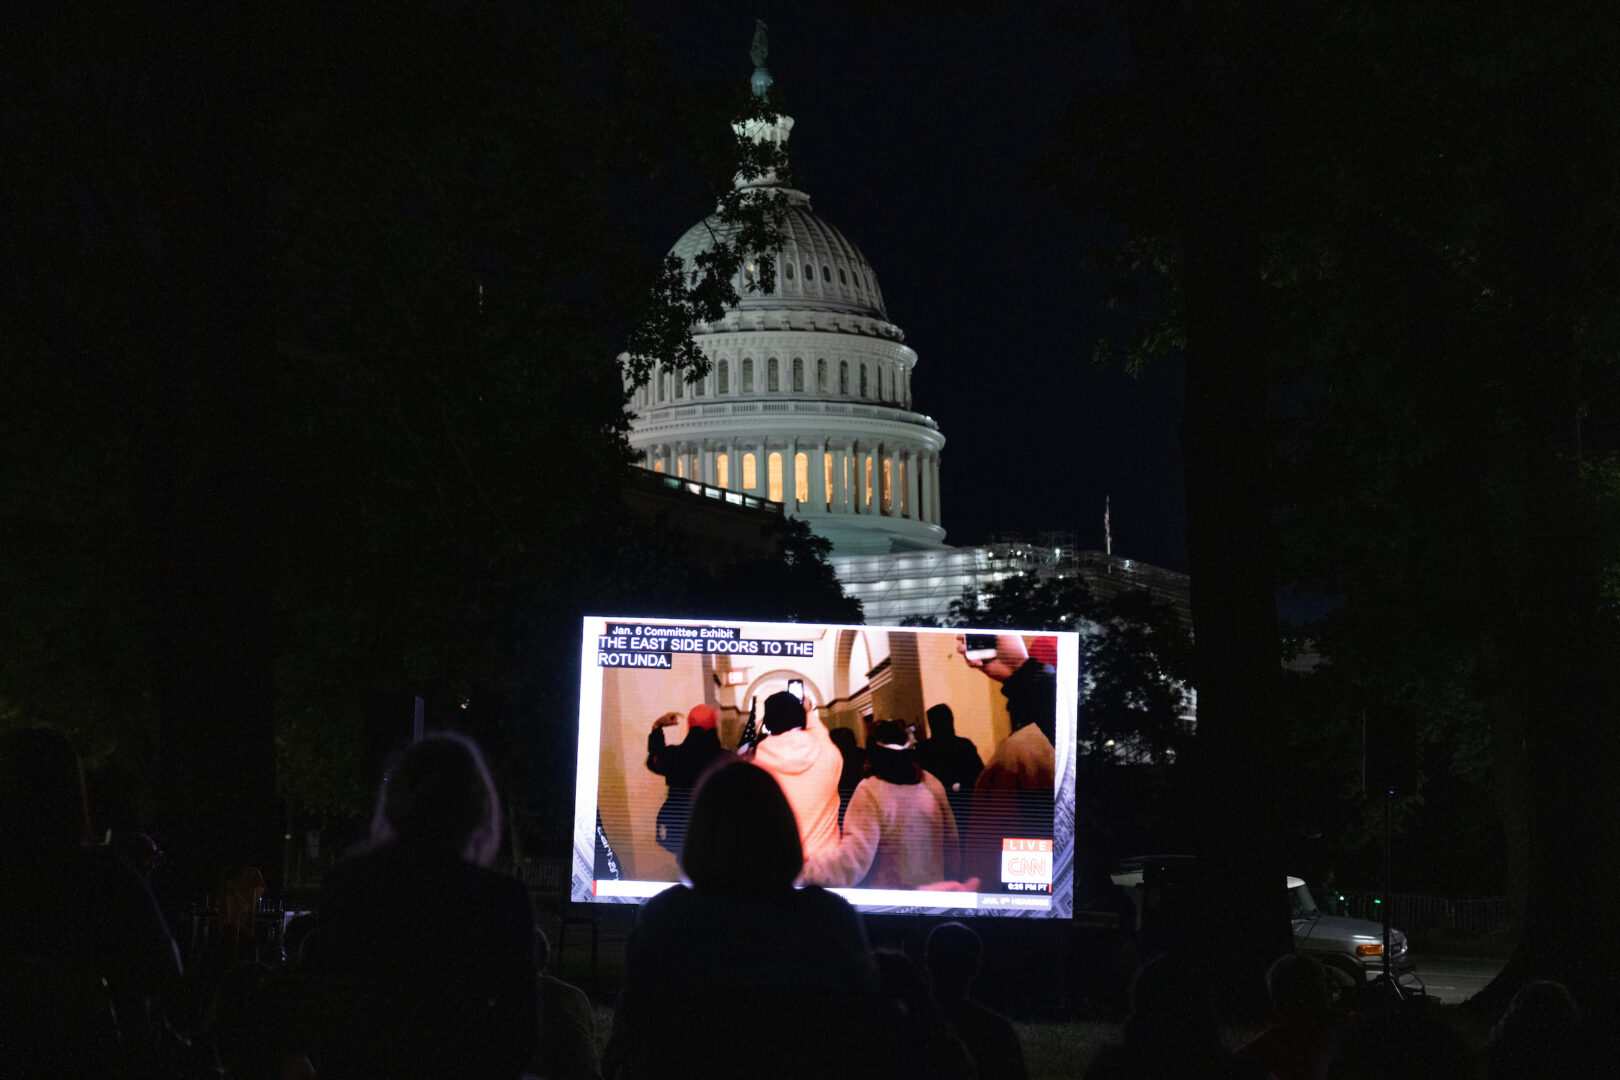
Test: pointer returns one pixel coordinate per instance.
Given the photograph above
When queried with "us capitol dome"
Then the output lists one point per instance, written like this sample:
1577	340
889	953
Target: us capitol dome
807	401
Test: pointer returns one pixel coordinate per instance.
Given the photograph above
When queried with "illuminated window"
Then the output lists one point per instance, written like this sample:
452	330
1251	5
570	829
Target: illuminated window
750	473
787	271
843	376
888	501
748	375
821	376
801	477
863	380
868	479
773	468
658	466
772	381
722	470
798	375
680	466
905	493
723	378
829	479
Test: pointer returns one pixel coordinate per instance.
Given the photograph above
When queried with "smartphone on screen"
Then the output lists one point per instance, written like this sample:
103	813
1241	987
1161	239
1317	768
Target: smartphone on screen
981	646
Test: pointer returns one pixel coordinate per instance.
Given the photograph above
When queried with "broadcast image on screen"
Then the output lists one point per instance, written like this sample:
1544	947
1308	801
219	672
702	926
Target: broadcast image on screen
930	771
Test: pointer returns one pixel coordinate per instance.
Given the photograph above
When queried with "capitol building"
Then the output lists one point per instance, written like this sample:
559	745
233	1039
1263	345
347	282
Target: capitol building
807	403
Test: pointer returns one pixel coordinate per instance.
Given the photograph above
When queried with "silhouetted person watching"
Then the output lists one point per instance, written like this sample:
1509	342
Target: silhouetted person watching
740	974
1535	1038
80	935
954	953
1170	1033
1294	1045
929	1044
425	958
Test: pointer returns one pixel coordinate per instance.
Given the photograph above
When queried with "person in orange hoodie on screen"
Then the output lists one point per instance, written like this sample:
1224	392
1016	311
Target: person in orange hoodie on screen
797	751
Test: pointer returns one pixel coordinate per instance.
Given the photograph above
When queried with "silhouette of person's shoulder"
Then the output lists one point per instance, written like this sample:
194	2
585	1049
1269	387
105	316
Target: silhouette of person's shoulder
989	1037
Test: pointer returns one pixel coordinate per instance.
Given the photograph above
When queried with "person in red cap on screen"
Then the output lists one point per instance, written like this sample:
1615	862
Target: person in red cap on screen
681	766
800	755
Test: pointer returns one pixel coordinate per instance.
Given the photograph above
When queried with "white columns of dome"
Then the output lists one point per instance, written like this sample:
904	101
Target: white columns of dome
840	480
913	485
885	454
929	468
706	463
762	470
933	474
897	486
925	486
790	475
897	504
878	452
846	462
818	479
859	477
885	465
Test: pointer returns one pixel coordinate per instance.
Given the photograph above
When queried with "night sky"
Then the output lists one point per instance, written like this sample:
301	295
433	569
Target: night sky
917	136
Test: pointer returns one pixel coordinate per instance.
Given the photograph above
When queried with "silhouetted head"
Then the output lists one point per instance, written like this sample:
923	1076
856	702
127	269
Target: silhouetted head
1534	1034
844	739
901	980
702	716
783	712
1299	991
941	721
892	755
438	794
954	954
1409	1040
42	802
743	837
1169	1011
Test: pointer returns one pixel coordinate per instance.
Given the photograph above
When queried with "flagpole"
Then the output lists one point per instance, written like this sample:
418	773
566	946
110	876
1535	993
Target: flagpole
1108	531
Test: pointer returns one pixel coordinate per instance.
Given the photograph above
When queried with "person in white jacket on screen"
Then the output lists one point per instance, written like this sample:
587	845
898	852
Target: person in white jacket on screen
899	832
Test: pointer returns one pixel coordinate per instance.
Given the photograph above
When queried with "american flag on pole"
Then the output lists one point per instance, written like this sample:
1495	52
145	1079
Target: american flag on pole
1108	532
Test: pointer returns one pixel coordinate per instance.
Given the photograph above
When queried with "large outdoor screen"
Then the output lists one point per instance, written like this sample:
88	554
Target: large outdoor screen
930	771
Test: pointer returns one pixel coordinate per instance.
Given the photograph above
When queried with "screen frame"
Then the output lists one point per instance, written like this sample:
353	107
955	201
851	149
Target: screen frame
1059	903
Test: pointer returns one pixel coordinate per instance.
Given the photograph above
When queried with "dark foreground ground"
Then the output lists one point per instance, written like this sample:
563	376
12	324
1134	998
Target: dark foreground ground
1052	1047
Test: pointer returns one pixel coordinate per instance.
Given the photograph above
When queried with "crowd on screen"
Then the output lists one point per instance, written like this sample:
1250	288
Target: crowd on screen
898	813
425	962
